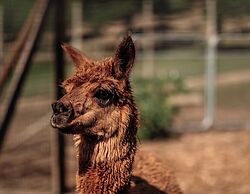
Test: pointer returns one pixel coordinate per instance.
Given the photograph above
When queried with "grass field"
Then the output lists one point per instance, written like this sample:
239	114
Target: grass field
192	63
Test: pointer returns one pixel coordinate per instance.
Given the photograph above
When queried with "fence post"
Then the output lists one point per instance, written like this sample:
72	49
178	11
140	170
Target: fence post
57	139
76	23
148	70
211	63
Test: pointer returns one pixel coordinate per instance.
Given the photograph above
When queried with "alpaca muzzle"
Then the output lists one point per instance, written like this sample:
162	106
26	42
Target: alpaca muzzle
63	115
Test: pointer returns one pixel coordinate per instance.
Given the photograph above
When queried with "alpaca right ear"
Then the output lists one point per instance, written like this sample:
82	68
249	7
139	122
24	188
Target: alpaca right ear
124	57
79	59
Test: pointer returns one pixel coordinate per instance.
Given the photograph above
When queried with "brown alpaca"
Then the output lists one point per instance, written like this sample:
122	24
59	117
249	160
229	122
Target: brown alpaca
98	108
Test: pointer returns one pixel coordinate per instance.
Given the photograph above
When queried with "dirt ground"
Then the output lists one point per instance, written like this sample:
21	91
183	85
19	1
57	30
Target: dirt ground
213	162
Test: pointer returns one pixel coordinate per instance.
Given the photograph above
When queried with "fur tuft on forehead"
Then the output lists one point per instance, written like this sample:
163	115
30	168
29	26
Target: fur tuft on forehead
97	71
100	74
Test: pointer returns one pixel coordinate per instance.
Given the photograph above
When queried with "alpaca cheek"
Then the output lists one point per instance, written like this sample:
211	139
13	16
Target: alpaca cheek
102	130
111	123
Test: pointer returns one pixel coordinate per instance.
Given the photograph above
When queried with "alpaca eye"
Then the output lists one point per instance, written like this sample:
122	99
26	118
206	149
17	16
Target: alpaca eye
103	96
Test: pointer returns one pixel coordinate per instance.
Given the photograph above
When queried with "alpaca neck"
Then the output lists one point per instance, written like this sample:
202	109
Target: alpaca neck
105	166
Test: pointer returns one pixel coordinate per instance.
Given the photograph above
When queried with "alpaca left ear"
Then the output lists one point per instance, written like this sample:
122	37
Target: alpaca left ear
80	60
124	57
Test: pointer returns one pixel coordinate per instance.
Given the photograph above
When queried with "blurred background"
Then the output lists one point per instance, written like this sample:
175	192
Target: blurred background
191	81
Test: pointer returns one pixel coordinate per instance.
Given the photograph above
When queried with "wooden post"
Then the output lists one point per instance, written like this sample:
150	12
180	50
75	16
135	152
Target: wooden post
211	66
148	70
57	139
76	22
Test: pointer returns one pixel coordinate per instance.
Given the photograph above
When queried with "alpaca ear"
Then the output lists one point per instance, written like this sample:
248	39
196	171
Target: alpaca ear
124	57
77	56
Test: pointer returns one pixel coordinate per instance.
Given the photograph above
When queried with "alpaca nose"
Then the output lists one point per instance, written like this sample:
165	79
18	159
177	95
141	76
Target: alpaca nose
59	108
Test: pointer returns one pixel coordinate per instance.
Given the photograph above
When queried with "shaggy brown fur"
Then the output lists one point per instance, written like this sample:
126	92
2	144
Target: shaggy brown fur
99	110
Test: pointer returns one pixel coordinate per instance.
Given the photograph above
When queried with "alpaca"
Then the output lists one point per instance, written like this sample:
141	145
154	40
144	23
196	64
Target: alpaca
99	110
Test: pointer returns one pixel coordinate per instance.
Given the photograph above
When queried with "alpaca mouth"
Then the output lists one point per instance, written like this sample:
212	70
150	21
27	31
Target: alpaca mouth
68	125
63	124
62	117
60	121
65	119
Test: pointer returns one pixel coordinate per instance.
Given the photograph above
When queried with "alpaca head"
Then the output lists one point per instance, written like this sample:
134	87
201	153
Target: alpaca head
98	99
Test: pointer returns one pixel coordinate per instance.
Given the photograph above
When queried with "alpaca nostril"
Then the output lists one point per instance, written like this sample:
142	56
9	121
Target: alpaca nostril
55	107
70	111
59	107
63	109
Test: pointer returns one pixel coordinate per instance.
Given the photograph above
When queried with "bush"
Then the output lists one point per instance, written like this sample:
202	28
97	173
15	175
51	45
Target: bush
156	113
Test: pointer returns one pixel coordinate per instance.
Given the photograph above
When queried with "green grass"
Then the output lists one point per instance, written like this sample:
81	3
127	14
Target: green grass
194	64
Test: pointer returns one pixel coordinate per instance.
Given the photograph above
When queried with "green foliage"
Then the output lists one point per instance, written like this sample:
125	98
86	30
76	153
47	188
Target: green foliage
156	113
